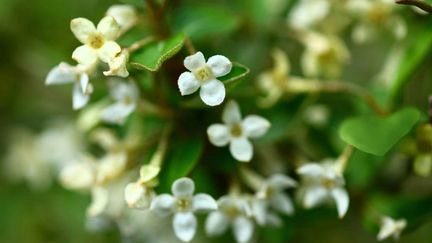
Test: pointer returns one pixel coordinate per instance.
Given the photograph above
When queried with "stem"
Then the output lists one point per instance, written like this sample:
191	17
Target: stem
252	179
189	46
303	86
157	14
430	109
343	159
418	3
162	147
138	44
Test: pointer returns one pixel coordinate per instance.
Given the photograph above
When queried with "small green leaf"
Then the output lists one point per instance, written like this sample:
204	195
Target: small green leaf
183	155
238	72
377	135
152	56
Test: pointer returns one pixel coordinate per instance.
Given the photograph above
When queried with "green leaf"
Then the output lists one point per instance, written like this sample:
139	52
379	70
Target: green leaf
376	135
184	154
152	56
238	72
199	22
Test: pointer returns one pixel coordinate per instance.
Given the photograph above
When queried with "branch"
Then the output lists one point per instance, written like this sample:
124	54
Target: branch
418	3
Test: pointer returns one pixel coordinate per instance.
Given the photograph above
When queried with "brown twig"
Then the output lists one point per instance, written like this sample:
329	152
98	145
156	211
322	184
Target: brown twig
418	3
189	46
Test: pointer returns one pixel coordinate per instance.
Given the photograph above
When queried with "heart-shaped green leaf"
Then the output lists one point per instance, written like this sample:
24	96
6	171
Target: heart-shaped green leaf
377	135
238	72
152	56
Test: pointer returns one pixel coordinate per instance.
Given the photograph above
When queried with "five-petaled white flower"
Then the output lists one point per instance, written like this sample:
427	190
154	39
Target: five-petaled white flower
98	41
183	205
321	183
126	96
237	131
233	211
203	76
65	73
271	196
391	227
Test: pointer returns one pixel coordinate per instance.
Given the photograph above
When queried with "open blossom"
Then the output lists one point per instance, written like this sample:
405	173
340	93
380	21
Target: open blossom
391	227
322	182
233	211
183	204
237	132
271	195
65	73
125	15
126	96
98	42
203	75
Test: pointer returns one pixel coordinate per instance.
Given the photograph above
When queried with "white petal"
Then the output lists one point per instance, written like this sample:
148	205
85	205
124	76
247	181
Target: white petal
149	172
61	74
85	55
79	100
109	28
108	51
163	204
194	61
118	65
84	82
281	182
313	196
311	169
82	28
187	83
259	210
282	203
125	15
255	126
122	91
231	113
203	202
117	113
241	149
341	198
99	201
216	223
243	229
183	187
185	226
77	176
137	196
218	134
219	65
212	92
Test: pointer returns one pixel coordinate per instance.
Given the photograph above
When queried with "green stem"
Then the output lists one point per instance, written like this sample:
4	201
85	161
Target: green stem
418	3
138	44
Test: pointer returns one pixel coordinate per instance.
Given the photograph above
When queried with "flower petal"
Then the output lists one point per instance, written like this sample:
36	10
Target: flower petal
255	126
313	196
259	210
281	182
218	134
341	198
117	112
79	100
77	176
61	74
125	15
85	55
85	84
216	223
212	92
231	113
99	201
137	196
311	169
109	28
219	65
82	28
185	226
241	149
187	83
203	202
122	91
108	51
183	187
243	229
282	203
194	61
163	204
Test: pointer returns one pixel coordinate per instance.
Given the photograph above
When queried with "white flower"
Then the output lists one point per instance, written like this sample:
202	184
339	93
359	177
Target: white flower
271	195
322	182
111	166
138	195
308	13
65	73
98	42
237	132
233	211
118	66
125	15
126	96
391	227
183	205
79	175
203	76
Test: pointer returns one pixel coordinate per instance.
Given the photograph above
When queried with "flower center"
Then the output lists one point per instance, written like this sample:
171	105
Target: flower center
231	212
183	204
328	183
203	73
378	14
96	41
236	130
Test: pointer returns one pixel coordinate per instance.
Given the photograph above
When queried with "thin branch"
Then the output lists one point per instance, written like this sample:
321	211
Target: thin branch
418	3
138	44
189	46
